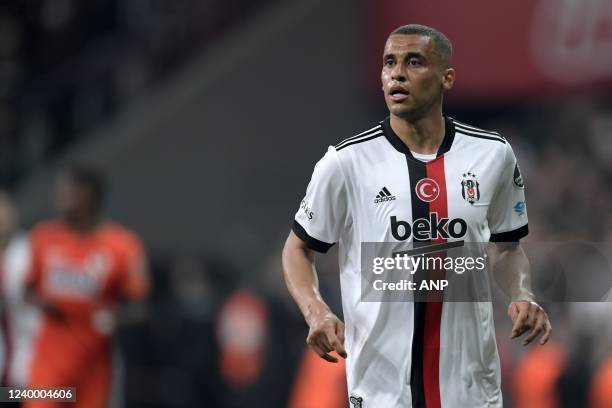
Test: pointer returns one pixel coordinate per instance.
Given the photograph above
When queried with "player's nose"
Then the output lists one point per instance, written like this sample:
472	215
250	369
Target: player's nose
398	75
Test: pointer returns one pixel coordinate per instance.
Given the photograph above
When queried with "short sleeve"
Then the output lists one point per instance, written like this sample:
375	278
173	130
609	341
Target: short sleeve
323	212
508	211
135	278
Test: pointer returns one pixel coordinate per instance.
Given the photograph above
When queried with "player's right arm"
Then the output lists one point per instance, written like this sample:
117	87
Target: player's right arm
326	332
319	222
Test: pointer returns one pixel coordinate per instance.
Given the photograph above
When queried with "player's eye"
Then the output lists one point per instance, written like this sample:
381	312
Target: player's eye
414	62
388	62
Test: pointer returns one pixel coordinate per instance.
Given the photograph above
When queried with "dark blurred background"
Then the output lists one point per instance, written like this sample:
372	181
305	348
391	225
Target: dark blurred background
208	117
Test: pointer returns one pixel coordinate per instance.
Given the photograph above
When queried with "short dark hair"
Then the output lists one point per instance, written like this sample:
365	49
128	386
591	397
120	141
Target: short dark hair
441	42
89	177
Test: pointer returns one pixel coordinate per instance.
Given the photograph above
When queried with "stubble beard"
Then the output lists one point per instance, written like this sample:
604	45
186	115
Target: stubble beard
417	113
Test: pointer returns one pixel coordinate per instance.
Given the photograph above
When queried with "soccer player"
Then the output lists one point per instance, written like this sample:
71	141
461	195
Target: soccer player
83	268
417	176
18	318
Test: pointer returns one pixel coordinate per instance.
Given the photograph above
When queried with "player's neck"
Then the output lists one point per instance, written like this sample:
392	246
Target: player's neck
82	223
423	135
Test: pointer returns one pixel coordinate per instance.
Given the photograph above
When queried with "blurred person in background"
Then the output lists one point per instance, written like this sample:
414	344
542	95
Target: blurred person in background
250	341
600	393
258	333
242	335
318	384
535	377
83	267
18	319
195	296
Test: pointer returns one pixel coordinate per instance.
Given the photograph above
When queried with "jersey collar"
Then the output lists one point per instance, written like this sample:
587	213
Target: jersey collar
396	142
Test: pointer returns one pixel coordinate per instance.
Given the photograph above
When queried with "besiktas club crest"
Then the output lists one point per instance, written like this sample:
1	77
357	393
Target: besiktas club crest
470	188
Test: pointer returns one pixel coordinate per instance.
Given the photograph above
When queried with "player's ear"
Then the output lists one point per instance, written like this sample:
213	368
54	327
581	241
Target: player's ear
448	79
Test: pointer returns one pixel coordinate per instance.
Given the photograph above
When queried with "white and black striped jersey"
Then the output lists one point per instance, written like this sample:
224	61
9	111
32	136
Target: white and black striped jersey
371	188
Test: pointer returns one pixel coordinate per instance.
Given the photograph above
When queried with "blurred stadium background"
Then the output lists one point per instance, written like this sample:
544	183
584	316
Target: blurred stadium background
208	116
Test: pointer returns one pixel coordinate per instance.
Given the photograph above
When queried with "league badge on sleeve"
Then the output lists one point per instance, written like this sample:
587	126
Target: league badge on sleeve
470	188
518	177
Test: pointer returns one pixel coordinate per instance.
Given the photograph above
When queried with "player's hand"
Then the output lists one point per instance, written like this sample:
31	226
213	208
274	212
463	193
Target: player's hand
529	317
326	334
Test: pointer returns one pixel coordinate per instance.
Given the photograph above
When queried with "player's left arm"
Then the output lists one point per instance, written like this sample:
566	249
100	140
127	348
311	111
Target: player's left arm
512	271
508	223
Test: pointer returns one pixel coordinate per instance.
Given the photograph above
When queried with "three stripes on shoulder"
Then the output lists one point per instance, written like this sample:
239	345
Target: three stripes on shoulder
477	132
373	133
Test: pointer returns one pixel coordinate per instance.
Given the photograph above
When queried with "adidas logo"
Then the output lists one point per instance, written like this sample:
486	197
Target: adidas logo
384	195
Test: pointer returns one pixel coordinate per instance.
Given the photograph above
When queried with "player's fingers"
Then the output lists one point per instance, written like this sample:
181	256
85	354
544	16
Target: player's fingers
330	336
329	358
537	328
327	339
323	354
532	316
339	345
318	339
336	344
547	333
323	344
519	322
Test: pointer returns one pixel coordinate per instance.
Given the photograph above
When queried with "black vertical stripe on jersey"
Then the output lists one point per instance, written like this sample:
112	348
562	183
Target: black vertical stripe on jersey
417	171
420	209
